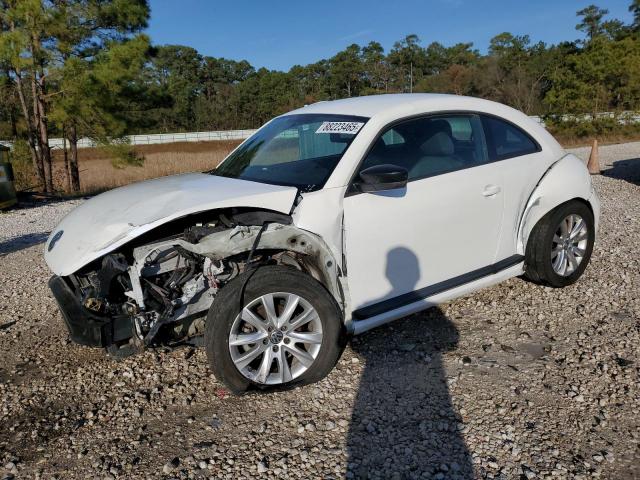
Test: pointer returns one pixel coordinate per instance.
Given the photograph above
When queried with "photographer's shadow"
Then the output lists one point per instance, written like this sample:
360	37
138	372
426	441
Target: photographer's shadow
403	423
628	170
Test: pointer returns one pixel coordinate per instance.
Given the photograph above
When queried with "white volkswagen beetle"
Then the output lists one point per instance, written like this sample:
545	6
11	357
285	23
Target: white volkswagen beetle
330	220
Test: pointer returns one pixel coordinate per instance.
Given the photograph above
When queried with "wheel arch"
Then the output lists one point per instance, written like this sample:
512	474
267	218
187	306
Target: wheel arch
307	251
566	180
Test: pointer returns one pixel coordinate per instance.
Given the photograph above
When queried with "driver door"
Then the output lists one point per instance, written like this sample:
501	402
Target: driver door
445	223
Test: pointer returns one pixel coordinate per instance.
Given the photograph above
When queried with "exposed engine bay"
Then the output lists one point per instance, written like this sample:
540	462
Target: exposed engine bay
160	286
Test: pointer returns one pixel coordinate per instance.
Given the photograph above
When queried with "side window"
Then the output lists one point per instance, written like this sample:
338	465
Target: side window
506	140
431	146
392	137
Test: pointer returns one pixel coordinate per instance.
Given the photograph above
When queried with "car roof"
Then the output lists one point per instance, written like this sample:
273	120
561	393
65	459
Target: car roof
372	105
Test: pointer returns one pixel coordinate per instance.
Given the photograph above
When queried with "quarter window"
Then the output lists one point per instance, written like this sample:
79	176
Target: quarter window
506	140
431	146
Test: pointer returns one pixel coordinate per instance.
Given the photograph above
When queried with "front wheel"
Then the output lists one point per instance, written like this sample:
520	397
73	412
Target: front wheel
560	245
270	327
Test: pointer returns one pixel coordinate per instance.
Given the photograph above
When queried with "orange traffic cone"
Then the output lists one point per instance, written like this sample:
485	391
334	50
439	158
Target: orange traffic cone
594	164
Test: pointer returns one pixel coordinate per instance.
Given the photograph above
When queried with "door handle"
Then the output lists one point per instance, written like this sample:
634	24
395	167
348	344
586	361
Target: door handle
491	190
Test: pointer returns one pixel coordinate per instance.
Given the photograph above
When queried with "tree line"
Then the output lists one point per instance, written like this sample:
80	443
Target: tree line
84	68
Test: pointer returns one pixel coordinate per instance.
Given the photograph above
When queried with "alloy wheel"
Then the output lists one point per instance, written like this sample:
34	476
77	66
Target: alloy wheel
569	245
275	338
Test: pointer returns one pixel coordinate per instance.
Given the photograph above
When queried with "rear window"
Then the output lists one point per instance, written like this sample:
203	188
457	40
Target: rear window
505	140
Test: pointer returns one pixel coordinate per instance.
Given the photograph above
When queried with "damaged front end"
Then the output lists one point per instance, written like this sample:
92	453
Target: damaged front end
158	288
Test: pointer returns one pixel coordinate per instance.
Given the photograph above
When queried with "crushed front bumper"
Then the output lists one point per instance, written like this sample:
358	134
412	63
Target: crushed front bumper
85	327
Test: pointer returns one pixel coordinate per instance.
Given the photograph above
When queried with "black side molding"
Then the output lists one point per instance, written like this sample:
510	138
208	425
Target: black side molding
417	295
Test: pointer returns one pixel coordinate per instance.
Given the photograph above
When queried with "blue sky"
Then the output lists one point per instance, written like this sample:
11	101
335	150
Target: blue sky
278	34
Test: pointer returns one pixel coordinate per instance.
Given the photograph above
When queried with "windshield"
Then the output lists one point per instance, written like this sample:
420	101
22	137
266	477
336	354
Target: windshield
295	150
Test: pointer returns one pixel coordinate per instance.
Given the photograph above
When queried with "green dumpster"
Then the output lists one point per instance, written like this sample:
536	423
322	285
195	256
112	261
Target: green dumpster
7	188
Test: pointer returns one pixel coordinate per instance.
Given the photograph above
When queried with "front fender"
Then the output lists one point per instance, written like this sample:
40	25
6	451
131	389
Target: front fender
565	180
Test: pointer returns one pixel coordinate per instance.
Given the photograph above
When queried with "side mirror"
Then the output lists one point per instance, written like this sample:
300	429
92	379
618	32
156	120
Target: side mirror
382	177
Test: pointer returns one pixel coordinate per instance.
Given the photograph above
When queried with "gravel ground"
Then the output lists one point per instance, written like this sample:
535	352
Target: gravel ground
515	381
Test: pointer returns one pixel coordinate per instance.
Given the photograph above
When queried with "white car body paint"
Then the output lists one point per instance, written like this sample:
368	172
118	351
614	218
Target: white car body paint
320	212
565	180
442	226
107	221
403	240
362	326
376	226
520	175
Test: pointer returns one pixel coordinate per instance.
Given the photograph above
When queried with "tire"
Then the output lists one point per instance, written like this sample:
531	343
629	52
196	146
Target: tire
248	290
542	243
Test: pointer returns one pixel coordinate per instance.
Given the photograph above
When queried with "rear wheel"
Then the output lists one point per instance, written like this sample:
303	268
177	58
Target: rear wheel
560	245
274	326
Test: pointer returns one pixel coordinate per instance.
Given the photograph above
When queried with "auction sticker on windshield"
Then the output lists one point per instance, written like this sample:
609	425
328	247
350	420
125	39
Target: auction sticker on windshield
340	127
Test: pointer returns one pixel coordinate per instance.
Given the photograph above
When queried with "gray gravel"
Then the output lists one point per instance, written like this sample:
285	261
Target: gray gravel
515	381
30	224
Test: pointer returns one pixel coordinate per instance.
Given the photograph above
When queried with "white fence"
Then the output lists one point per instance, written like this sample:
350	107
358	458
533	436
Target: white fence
157	138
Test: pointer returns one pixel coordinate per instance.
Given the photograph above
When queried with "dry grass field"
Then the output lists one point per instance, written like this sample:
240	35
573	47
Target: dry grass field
574	141
97	172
